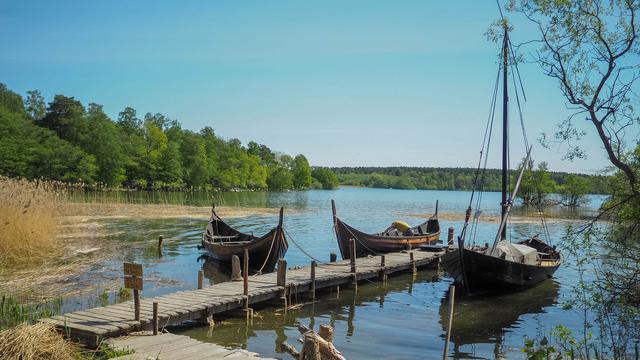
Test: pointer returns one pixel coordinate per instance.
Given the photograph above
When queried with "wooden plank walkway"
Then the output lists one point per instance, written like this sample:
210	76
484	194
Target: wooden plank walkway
92	326
173	347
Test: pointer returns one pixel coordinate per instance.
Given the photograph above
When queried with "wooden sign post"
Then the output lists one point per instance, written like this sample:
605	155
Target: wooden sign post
133	280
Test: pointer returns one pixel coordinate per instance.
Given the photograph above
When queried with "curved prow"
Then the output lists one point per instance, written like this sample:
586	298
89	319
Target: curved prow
333	207
281	217
436	214
213	207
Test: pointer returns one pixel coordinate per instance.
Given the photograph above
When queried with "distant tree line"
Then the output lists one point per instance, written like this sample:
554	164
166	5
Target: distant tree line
463	178
64	140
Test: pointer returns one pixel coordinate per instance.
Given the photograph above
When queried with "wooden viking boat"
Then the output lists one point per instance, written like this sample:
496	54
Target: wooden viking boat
389	241
222	241
503	265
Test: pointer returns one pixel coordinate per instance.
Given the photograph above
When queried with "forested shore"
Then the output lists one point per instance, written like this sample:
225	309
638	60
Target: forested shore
66	141
432	178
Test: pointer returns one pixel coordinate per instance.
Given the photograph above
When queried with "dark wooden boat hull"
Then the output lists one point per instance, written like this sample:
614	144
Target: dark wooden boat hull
370	244
264	251
485	273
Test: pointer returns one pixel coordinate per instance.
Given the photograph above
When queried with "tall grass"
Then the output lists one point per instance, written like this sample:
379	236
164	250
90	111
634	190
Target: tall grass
28	222
37	341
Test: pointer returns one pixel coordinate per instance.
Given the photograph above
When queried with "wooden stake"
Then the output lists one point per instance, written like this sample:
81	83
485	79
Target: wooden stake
452	295
282	273
383	270
236	272
450	237
136	304
414	269
245	279
352	254
200	278
155	318
313	279
333	257
160	239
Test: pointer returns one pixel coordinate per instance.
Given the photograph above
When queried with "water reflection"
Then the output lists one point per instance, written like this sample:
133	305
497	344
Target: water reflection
348	311
486	320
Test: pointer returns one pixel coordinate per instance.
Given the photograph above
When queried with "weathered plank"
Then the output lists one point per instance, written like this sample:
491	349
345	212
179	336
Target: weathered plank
94	325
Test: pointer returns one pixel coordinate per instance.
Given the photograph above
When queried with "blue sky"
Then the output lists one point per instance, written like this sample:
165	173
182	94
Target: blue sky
347	83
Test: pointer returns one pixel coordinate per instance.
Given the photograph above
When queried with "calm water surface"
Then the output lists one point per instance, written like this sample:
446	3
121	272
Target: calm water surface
402	320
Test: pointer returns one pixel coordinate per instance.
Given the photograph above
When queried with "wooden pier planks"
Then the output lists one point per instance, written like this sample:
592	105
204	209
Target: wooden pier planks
94	325
172	347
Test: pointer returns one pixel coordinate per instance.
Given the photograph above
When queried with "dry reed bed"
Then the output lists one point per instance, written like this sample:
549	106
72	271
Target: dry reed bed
28	222
37	341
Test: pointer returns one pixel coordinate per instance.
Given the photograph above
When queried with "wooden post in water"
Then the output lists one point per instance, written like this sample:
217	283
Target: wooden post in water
313	279
200	278
333	257
452	295
282	273
450	237
281	280
414	269
383	269
160	239
352	259
236	272
245	278
154	320
352	255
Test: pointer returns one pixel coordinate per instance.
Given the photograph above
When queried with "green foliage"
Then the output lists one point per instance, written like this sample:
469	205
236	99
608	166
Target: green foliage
13	313
326	177
536	185
280	179
301	172
65	141
453	179
573	190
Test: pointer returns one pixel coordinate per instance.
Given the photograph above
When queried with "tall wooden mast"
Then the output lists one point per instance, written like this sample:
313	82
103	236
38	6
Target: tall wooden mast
505	128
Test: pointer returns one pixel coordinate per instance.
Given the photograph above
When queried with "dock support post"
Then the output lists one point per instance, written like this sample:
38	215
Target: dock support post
281	280
452	295
352	255
136	304
383	269
414	269
450	237
313	279
352	259
236	273
160	239
245	278
333	257
154	320
200	278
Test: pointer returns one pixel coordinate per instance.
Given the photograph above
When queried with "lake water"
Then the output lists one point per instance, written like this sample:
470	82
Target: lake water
402	320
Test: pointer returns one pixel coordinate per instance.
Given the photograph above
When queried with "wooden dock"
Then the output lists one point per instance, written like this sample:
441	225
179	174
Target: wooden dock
92	326
173	347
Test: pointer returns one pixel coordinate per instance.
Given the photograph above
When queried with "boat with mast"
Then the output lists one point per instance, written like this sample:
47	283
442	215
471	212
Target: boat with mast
503	265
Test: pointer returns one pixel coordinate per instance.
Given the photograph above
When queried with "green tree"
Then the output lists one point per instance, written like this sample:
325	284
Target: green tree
35	105
103	141
194	155
326	177
280	179
301	172
27	150
66	116
573	190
